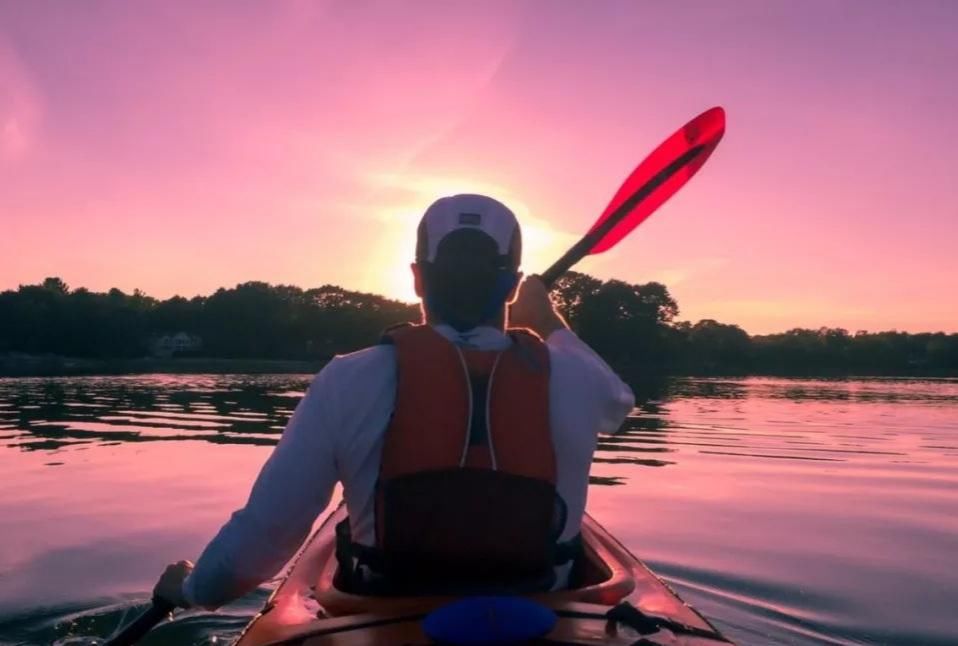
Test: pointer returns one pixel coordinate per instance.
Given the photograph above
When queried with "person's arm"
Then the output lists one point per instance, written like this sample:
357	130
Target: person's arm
293	488
613	399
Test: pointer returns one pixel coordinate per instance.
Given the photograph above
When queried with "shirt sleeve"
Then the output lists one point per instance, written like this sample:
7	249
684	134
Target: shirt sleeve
293	488
612	398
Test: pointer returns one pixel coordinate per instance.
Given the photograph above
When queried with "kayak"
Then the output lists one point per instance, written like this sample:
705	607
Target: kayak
616	600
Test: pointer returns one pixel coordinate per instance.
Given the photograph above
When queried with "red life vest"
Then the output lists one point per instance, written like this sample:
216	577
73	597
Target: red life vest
466	497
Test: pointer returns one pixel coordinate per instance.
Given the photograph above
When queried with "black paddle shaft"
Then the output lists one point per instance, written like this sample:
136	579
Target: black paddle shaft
142	624
582	248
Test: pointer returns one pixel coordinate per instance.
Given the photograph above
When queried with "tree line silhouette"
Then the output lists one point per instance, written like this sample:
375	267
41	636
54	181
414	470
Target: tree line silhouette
633	326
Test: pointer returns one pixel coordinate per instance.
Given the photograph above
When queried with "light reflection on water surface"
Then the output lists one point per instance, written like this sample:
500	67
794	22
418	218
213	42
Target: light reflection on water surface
787	511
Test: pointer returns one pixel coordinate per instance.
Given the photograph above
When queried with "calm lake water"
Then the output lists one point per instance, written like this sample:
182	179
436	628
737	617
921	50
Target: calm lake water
792	512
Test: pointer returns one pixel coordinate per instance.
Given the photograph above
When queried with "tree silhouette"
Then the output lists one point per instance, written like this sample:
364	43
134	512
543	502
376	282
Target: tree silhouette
633	326
571	291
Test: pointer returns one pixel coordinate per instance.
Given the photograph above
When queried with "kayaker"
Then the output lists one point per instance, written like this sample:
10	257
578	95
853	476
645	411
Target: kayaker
463	449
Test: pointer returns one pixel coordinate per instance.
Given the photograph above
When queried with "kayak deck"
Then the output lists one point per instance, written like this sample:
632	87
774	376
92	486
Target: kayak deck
308	610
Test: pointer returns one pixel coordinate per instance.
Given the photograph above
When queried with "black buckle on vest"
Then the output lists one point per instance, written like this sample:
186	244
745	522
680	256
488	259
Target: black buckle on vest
352	556
568	551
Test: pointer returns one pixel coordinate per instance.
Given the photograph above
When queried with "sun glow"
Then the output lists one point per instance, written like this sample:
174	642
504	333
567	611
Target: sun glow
388	271
388	262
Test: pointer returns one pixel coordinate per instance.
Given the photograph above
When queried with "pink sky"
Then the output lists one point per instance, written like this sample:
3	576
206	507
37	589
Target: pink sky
177	147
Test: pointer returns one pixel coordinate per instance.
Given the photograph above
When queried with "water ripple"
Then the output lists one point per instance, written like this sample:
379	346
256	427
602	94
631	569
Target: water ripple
789	511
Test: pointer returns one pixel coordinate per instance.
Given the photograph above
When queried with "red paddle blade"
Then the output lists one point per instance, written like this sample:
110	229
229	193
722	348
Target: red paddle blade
659	176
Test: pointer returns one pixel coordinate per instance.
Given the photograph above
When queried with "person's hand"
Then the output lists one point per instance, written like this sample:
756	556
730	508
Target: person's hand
170	586
533	309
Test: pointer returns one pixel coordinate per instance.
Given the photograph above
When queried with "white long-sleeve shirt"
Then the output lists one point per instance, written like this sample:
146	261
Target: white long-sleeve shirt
336	435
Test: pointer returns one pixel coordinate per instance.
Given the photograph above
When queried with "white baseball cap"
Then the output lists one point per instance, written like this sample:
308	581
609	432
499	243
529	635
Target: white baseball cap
470	211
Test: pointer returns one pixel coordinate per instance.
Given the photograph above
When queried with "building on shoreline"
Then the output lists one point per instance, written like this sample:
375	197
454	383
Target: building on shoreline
172	344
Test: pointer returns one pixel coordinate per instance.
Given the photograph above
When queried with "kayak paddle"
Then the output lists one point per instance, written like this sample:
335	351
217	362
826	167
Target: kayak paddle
655	180
156	613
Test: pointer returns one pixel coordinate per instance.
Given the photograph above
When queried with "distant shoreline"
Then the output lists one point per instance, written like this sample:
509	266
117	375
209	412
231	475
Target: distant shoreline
24	365
56	366
44	328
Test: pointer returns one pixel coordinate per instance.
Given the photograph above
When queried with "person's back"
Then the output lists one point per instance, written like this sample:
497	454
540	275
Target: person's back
463	448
